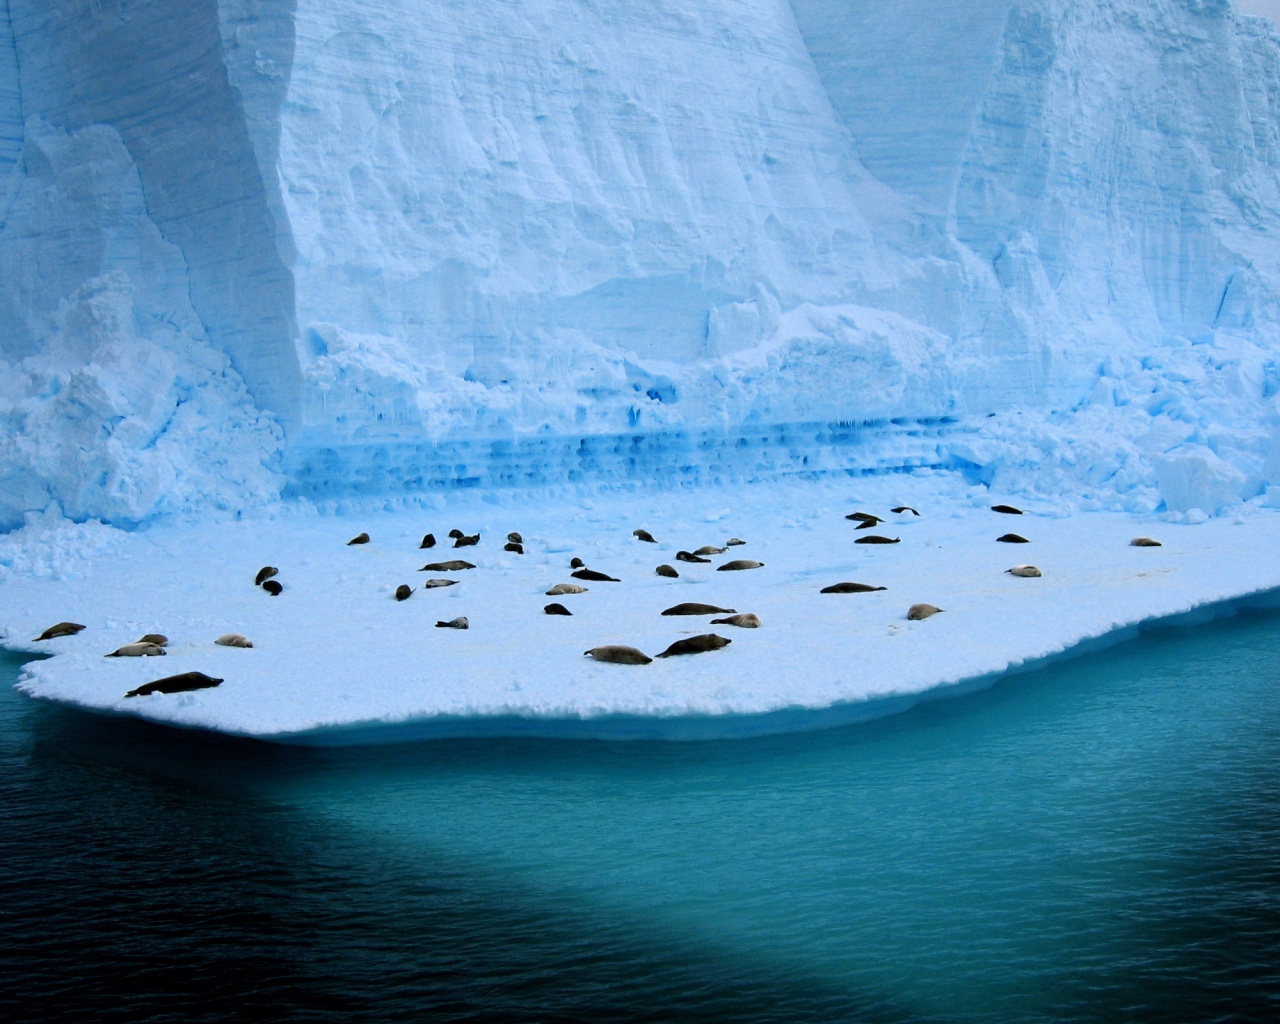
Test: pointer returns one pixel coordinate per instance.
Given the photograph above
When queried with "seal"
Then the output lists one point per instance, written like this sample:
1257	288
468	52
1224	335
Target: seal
1012	538
875	538
1145	542
594	576
667	571
459	623
644	535
576	563
453	565
850	588
689	556
272	587
360	538
61	629
514	546
467	542
428	540
138	650
864	517
694	608
265	573
904	508
739	563
747	620
180	683
1027	571
1008	510
403	591
921	611
434	584
233	640
455	533
734	542
159	639
515	538
619	654
566	588
708	549
555	608
696	645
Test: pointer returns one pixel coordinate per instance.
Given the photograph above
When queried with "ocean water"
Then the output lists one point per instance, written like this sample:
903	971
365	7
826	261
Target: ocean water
1098	840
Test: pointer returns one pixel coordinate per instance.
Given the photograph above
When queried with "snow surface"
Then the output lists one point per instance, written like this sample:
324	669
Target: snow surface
336	659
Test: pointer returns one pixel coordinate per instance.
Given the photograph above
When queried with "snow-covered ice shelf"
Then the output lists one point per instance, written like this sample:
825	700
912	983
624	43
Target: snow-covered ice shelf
336	659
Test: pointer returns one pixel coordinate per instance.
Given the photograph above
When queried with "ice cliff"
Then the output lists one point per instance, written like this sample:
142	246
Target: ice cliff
314	246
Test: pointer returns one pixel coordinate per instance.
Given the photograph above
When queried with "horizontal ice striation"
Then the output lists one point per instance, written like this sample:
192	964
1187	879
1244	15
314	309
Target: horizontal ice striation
499	236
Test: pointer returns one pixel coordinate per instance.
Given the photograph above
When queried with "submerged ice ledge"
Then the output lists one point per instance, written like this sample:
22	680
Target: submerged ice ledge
338	660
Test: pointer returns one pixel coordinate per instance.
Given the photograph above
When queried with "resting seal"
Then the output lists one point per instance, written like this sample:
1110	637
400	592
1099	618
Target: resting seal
428	540
273	587
1012	538
644	535
850	588
233	640
175	684
265	573
1145	542
696	645
138	650
739	563
921	611
514	546
467	542
668	571
747	620
360	538
459	623
709	549
689	556
453	565
403	591
159	639
593	576
694	608
566	588
515	538
864	517
875	538
619	654
61	629
1008	510
433	584
554	608
1028	571
734	542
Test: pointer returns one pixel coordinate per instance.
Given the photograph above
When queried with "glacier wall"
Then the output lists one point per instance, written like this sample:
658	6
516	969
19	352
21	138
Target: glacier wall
328	246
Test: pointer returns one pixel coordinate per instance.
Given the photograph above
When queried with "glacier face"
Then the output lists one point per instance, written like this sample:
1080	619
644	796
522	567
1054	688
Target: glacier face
330	245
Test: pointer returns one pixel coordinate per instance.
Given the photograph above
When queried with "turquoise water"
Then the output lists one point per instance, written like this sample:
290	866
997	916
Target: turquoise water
1094	841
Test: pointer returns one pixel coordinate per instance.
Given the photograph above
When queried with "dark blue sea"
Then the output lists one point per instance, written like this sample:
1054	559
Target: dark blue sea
1095	841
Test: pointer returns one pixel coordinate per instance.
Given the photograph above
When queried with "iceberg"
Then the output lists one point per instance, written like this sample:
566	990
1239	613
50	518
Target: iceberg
275	259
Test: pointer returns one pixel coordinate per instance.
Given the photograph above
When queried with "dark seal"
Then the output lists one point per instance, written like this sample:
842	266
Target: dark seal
180	683
694	608
875	538
850	588
360	538
1012	538
696	645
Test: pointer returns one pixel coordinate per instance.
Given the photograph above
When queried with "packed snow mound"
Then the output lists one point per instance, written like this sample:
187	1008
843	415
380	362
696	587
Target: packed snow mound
475	244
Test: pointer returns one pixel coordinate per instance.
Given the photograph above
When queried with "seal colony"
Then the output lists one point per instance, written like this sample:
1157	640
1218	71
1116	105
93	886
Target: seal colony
819	621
